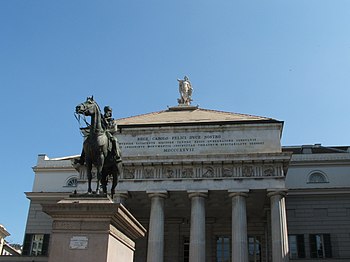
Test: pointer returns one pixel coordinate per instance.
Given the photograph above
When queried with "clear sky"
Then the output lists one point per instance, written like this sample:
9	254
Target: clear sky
285	59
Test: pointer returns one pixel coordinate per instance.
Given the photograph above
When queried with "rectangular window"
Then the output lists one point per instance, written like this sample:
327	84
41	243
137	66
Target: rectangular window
36	244
254	249
223	250
296	246
186	249
320	246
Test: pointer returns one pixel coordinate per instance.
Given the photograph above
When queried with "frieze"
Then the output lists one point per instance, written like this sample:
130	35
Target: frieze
203	171
248	171
129	173
227	172
187	172
168	172
208	171
269	170
149	172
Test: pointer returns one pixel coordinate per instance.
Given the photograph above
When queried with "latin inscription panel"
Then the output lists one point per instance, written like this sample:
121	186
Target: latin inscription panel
236	141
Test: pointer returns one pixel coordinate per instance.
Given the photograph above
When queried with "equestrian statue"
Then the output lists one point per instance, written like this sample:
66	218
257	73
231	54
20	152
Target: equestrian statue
100	148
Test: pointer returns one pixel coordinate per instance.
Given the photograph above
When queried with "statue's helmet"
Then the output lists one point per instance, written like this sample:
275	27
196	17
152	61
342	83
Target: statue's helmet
107	109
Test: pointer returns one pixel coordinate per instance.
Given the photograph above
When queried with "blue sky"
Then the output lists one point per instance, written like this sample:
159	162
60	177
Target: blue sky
289	60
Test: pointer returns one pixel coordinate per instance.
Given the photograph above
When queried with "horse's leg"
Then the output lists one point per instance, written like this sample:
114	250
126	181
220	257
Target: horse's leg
98	176
104	180
99	168
89	175
116	173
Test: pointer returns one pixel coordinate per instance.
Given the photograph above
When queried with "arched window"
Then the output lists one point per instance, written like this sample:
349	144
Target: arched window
72	182
317	177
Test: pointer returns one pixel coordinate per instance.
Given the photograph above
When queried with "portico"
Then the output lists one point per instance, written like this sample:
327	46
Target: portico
236	216
207	185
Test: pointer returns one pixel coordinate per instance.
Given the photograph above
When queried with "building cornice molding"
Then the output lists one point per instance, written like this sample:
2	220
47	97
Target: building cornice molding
210	158
318	191
47	195
320	159
138	127
37	169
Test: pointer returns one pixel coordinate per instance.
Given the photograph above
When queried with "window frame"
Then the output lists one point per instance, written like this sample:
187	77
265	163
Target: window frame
69	179
186	249
319	173
29	242
299	244
326	245
256	256
225	247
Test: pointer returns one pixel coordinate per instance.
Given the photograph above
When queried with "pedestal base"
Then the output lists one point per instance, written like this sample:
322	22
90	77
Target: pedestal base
92	229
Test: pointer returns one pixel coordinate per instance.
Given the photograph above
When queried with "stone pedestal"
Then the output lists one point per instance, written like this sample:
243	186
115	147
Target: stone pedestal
92	229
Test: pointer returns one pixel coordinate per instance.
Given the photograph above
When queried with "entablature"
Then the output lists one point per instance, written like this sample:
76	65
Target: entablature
206	167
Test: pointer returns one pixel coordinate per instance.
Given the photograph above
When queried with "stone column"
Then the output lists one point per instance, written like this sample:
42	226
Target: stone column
239	226
155	251
197	233
279	233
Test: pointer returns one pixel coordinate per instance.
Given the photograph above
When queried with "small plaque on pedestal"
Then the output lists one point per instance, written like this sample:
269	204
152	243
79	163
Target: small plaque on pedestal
79	242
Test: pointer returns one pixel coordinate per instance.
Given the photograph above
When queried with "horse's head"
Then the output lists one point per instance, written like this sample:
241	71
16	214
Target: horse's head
87	108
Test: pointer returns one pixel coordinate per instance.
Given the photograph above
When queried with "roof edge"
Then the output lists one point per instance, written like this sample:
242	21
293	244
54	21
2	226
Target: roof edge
212	123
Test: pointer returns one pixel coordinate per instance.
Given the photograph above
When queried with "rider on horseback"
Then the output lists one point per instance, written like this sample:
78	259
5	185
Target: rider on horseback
110	127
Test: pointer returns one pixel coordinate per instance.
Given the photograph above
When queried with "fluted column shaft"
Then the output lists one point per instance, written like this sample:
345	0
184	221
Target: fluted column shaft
279	234
155	251
197	233
239	227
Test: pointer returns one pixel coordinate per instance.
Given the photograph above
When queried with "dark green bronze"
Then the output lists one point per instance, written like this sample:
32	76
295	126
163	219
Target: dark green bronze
100	148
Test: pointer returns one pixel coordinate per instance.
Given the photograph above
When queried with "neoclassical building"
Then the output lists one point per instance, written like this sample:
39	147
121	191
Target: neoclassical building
213	186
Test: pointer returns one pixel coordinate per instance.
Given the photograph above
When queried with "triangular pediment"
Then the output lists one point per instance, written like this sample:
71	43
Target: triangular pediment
190	115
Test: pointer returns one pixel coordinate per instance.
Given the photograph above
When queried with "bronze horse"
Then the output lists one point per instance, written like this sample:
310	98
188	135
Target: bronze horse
96	149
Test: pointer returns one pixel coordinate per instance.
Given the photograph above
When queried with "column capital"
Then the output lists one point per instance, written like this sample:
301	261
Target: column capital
276	192
157	193
238	192
197	193
122	193
120	196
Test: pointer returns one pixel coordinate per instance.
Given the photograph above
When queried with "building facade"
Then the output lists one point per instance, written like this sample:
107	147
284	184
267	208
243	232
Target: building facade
5	248
214	186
